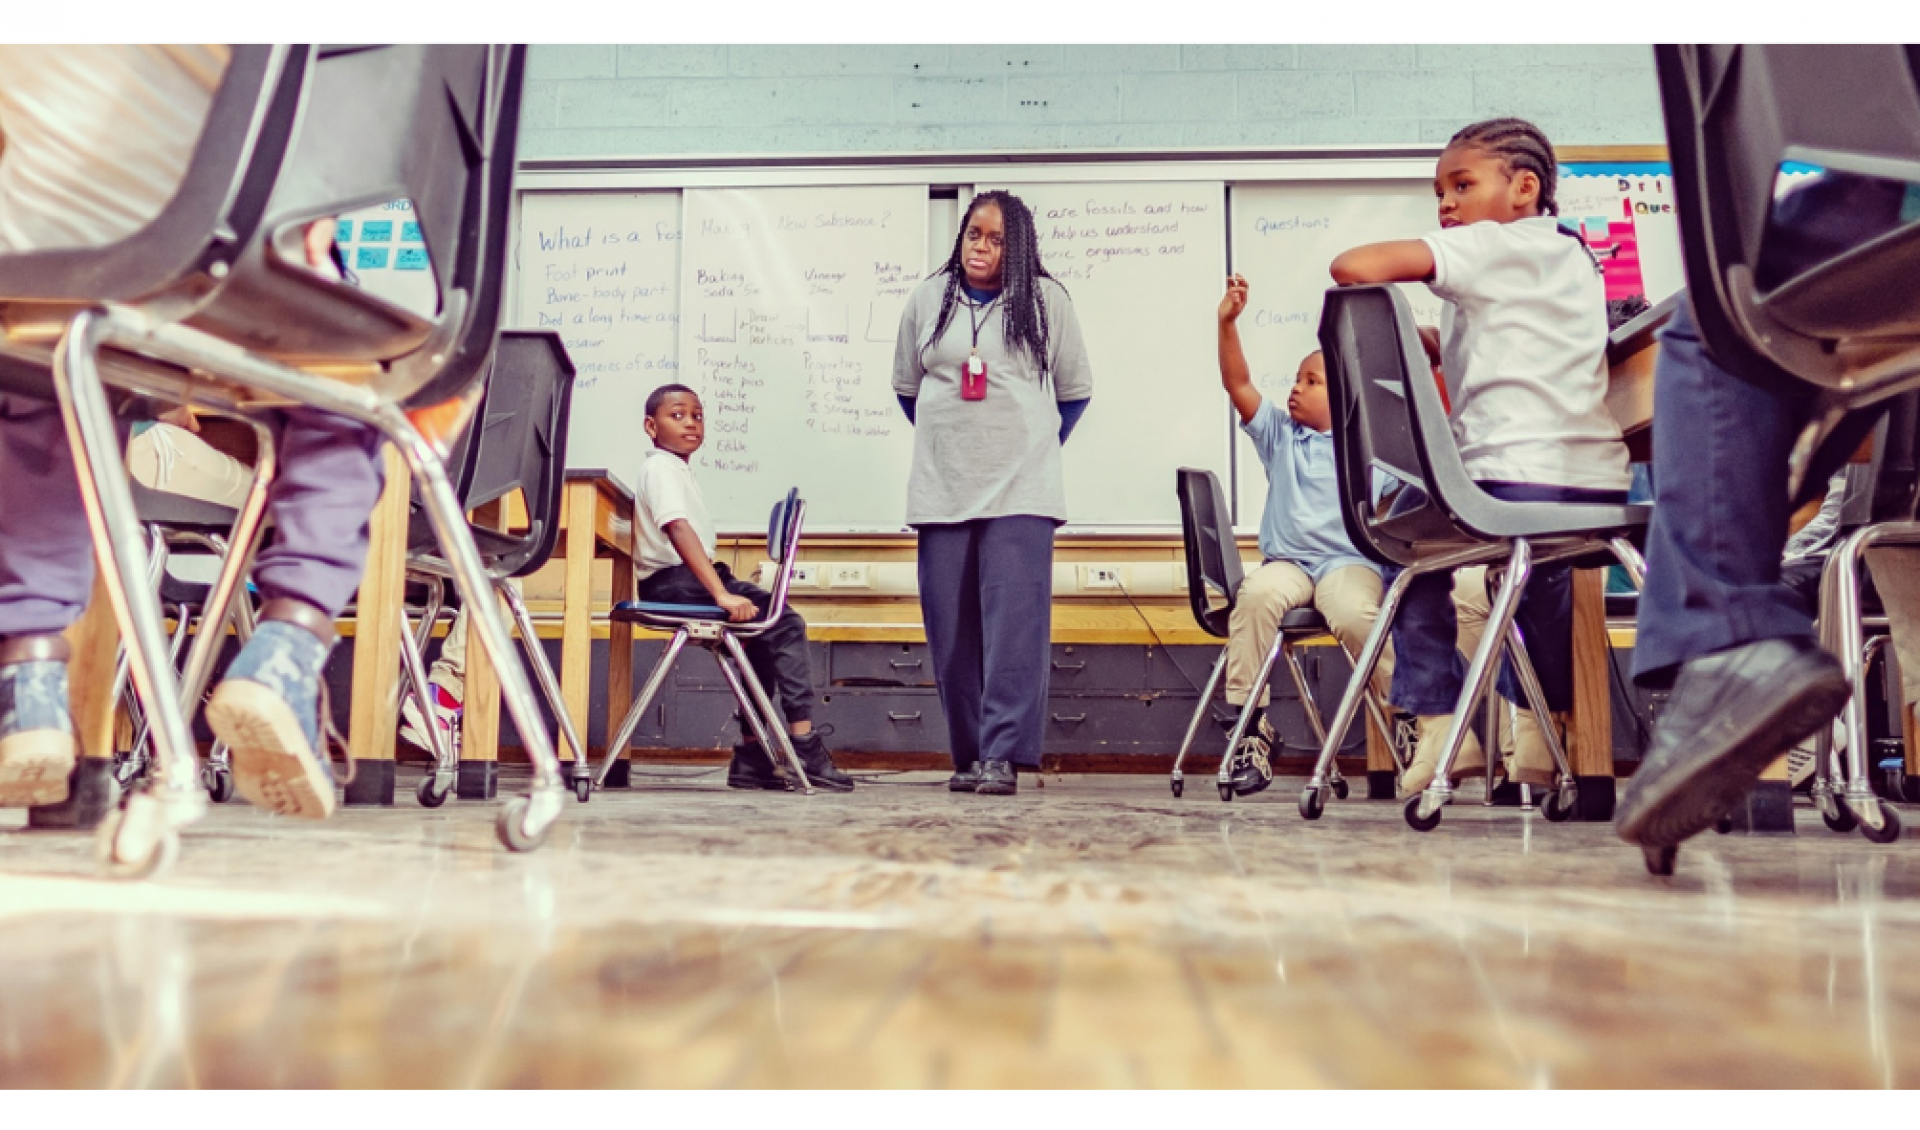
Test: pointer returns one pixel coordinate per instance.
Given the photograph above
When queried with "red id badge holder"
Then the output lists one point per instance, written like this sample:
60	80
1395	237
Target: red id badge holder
973	379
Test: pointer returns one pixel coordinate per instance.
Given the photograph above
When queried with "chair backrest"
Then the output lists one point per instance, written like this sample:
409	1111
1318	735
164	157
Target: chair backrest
1388	418
1896	463
1800	279
186	251
1214	571
434	124
517	441
783	546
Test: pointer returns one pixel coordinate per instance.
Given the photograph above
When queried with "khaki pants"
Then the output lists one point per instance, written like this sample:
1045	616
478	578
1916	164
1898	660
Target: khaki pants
1348	597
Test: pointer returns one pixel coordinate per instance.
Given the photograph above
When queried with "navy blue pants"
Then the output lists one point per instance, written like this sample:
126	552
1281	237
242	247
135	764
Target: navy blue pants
986	595
1428	669
1720	509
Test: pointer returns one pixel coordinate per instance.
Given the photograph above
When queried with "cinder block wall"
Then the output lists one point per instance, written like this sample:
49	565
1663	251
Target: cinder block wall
639	100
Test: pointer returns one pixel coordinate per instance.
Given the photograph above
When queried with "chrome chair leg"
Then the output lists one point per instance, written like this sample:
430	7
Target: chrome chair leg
657	678
1313	797
579	774
229	586
1224	778
1315	722
765	706
747	708
142	836
525	821
1567	793
440	780
1178	779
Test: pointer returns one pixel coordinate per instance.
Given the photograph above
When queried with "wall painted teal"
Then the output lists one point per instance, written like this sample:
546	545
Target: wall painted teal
639	100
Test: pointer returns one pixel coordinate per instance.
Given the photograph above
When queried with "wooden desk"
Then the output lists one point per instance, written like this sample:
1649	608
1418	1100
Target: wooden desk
594	502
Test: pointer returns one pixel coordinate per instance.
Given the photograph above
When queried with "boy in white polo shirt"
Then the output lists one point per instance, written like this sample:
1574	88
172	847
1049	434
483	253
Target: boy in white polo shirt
674	543
1524	331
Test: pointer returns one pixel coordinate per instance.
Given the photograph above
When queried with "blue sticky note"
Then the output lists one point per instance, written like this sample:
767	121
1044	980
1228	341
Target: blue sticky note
411	259
376	231
343	231
410	232
370	259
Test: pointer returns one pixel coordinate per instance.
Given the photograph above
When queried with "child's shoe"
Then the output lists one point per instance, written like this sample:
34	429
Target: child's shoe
1252	769
447	712
751	768
267	710
1532	762
1472	761
36	731
821	770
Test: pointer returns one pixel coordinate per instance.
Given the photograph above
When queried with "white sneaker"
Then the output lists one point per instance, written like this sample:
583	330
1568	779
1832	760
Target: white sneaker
447	711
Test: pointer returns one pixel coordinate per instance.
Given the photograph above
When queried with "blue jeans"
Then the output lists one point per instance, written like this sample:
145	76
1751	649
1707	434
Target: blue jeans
1428	669
1720	509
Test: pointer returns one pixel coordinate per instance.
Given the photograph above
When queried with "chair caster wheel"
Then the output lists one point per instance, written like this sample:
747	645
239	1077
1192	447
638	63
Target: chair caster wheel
1724	825
1178	787
1660	858
219	784
1226	792
428	796
1889	829
1840	818
582	789
1421	823
511	827
1341	789
1562	805
126	853
1312	804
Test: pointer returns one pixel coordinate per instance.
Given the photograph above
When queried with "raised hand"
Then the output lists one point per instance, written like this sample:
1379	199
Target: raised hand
1235	299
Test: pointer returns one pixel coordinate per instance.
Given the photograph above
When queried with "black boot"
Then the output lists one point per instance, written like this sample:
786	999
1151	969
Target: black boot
1731	713
751	768
819	764
997	779
964	780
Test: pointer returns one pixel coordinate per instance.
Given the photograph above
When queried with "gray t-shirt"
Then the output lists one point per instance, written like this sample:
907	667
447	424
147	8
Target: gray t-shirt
994	457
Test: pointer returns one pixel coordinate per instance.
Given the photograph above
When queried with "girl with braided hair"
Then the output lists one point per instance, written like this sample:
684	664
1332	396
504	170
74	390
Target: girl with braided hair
990	367
1522	337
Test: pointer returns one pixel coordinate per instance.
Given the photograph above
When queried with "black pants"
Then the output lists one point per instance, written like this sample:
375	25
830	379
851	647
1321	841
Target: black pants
778	655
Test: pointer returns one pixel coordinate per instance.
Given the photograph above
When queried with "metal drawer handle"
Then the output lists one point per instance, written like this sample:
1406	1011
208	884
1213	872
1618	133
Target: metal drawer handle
1059	666
914	717
905	665
1070	720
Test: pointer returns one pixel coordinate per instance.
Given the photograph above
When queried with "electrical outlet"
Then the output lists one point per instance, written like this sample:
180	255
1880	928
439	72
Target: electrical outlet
806	576
850	575
1103	577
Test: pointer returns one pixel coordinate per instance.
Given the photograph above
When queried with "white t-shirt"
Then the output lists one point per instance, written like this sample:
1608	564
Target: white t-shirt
1523	336
666	492
98	137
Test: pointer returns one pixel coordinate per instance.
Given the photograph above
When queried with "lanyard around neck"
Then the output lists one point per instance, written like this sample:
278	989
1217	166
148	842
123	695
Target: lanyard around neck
973	319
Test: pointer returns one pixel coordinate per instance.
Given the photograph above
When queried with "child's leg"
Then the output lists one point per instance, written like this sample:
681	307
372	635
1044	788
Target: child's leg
1266	596
779	657
949	568
1349	599
1428	672
1545	617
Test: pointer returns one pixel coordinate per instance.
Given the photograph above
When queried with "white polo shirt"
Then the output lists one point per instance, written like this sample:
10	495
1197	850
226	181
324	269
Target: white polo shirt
666	492
1523	336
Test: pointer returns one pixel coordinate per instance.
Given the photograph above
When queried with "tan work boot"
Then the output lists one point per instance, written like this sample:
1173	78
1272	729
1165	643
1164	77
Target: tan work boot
1433	728
1532	762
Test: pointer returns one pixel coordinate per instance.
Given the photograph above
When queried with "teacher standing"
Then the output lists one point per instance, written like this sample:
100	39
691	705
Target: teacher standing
991	369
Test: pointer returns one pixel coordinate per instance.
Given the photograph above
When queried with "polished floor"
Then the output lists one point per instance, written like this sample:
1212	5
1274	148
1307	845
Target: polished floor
1093	932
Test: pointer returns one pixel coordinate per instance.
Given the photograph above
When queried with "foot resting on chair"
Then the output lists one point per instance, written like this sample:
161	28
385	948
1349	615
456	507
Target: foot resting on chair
36	732
1731	713
267	710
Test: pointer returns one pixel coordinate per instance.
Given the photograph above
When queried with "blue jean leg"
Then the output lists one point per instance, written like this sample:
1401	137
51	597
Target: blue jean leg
46	550
1429	670
331	474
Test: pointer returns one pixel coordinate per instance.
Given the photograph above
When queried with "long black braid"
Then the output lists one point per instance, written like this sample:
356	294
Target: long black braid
1522	147
1023	309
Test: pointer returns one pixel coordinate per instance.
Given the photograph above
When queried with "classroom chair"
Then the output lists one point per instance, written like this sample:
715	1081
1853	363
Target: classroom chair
706	626
212	304
1388	419
518	442
1214	573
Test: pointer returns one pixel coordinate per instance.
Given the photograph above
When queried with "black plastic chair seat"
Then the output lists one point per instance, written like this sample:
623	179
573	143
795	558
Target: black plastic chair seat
1303	621
666	617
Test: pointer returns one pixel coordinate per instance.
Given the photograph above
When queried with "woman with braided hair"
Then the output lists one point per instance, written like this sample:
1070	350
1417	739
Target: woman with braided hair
990	367
1523	334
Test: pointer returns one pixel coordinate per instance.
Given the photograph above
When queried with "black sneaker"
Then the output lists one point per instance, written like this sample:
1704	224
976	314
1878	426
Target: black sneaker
1252	767
821	770
751	768
997	778
964	780
1730	714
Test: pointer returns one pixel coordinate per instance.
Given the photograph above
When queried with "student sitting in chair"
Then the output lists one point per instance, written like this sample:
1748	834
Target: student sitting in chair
1524	332
674	558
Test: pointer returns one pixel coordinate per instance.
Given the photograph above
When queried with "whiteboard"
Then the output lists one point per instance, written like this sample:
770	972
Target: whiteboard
790	302
1285	237
1143	263
603	270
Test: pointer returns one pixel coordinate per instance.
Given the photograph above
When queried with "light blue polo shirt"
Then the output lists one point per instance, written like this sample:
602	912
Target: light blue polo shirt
1302	520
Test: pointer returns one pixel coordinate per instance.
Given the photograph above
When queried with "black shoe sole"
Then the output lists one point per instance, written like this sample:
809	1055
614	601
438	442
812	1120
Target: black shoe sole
958	787
830	786
996	790
1688	799
1241	788
774	785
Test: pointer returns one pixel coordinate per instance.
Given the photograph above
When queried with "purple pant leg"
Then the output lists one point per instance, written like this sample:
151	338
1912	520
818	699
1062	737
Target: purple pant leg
46	552
331	473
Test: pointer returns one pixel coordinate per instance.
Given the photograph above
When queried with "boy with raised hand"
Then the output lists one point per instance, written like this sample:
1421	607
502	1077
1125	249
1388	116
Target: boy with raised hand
675	545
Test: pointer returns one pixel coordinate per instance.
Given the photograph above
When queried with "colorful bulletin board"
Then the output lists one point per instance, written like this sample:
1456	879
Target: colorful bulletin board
384	249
